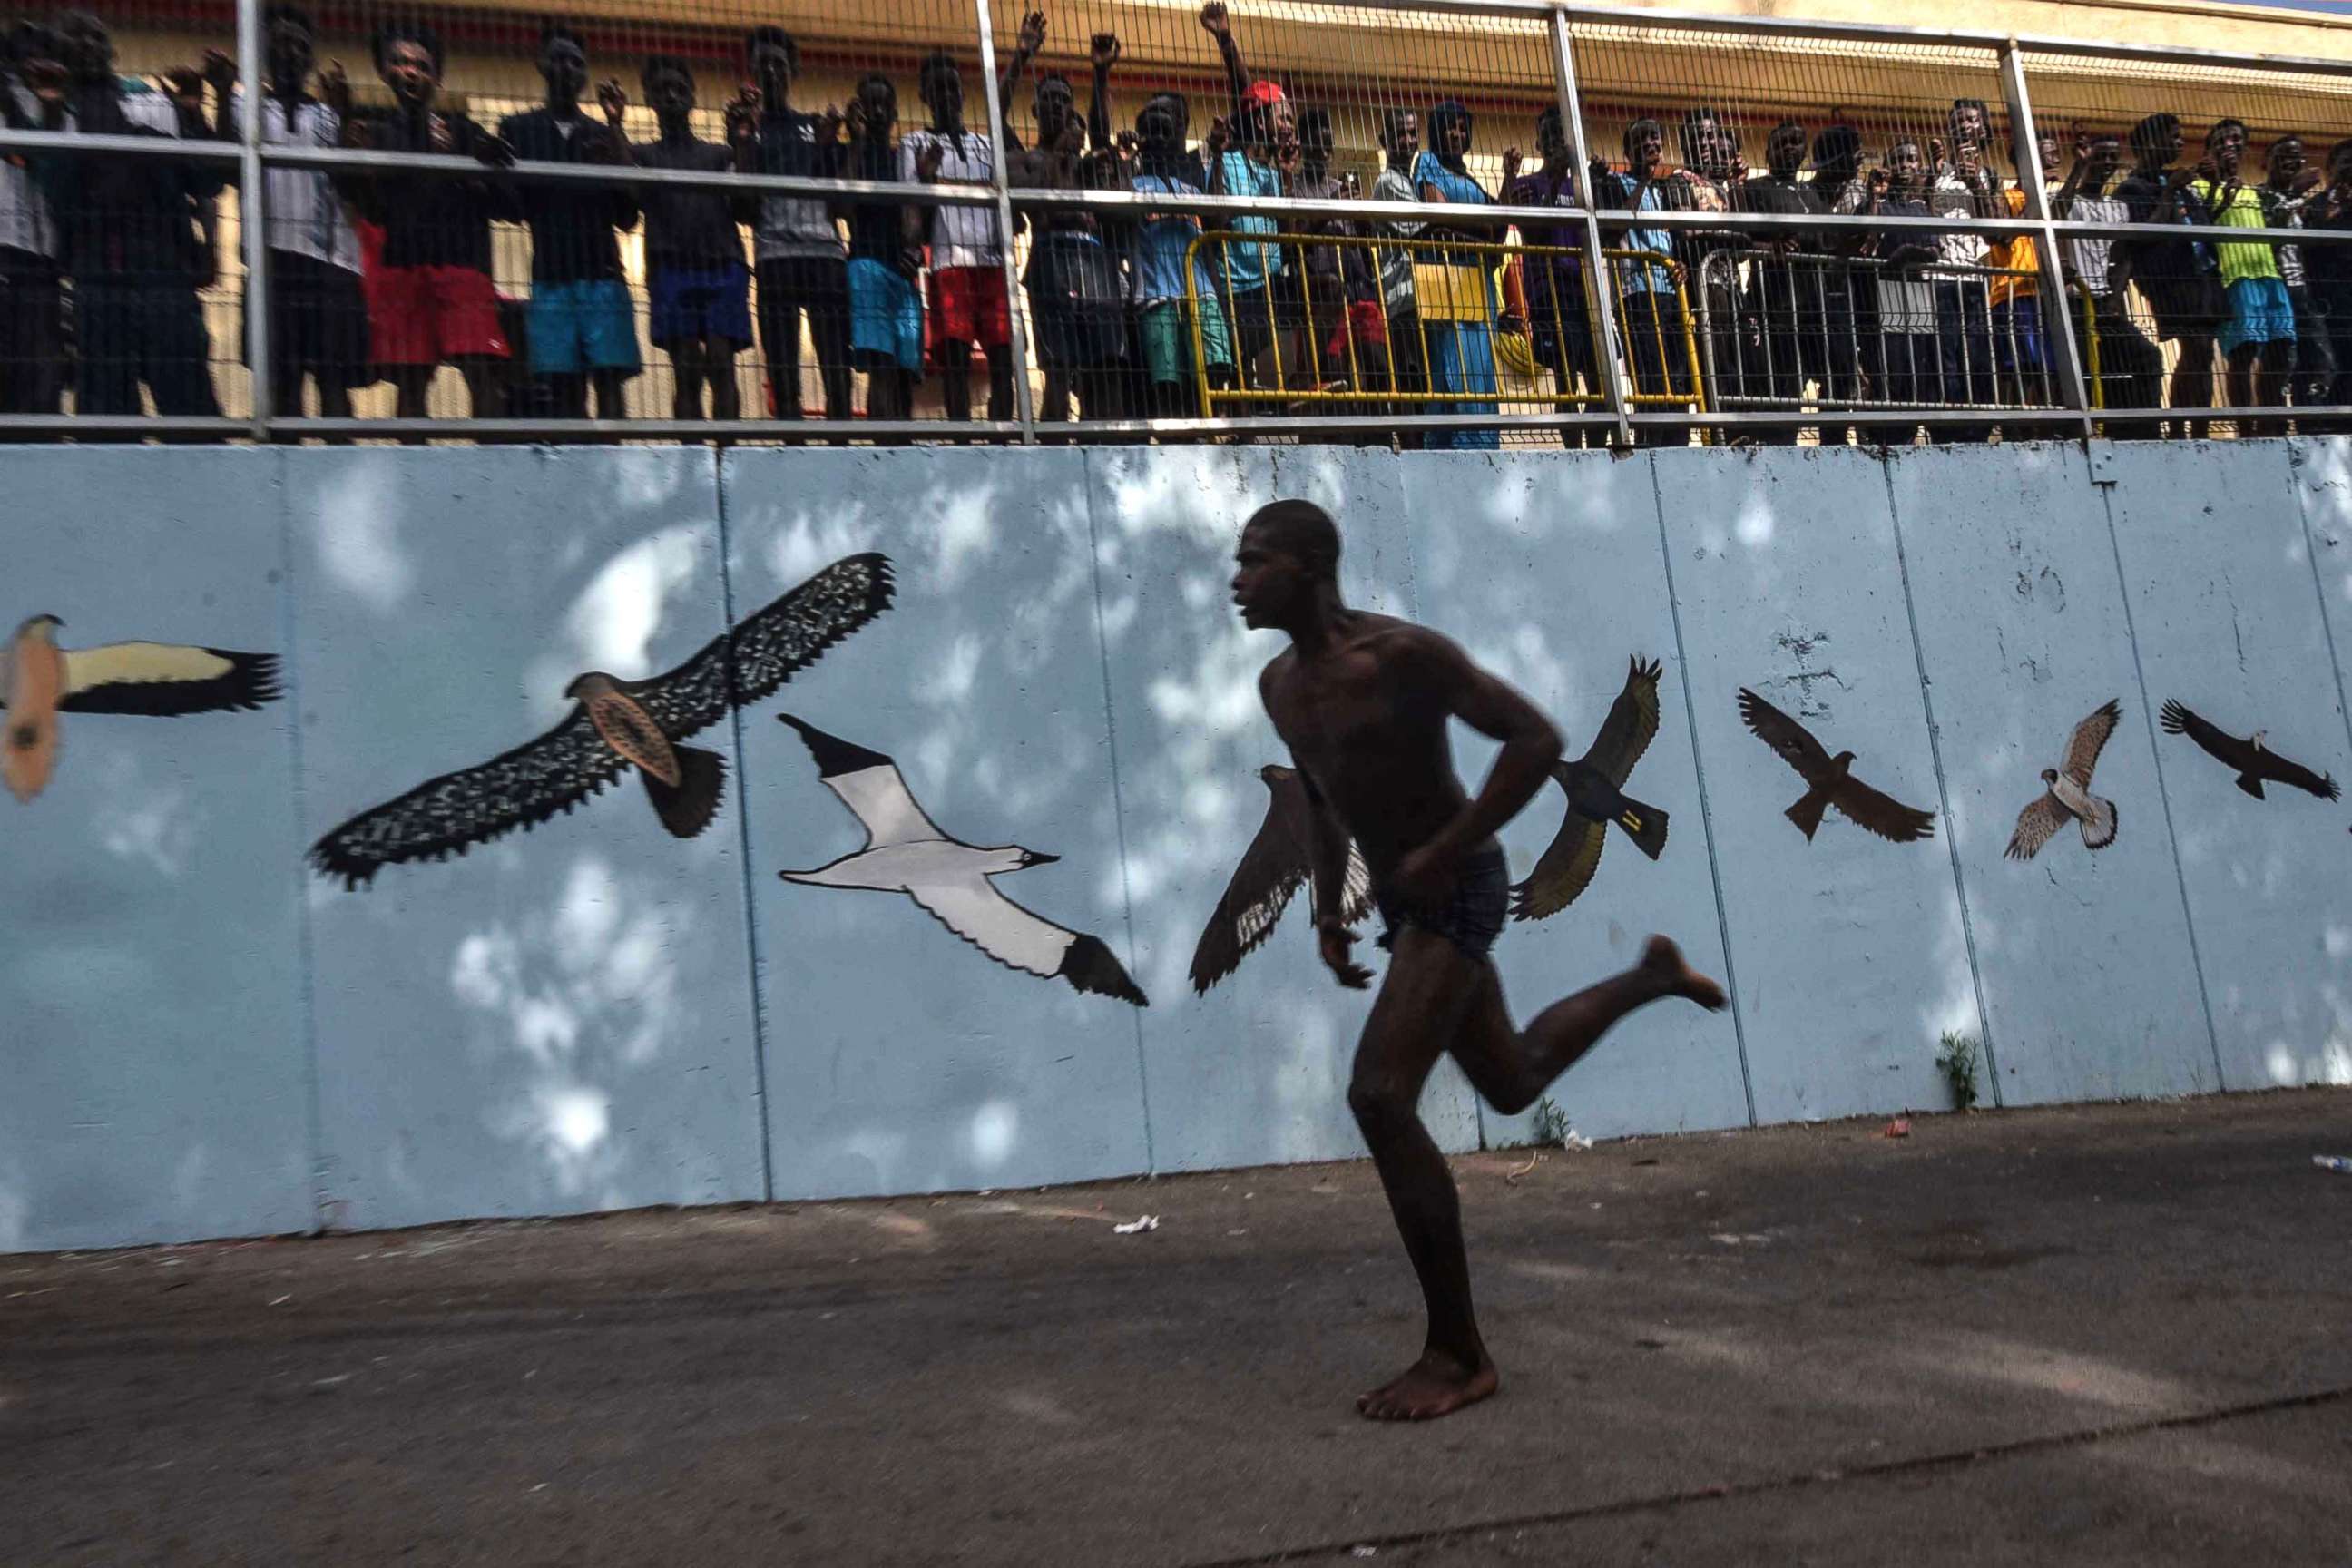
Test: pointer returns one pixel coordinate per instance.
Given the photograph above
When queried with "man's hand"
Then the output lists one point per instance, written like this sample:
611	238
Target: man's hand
829	124
1220	136
926	161
1032	34
495	151
184	85
1214	22
1881	182
335	89
1334	940
743	113
45	80
1512	159
612	101
221	71
854	117
1105	50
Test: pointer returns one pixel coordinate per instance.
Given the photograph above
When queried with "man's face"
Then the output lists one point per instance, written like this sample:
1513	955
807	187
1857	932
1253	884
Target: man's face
1405	138
1282	123
87	47
771	68
1785	154
943	90
564	66
291	51
1054	102
1907	162
1551	142
1711	148
2047	148
1644	147
1968	126
2286	159
1157	127
881	104
1268	582
2339	166
2107	159
408	71
671	93
2227	147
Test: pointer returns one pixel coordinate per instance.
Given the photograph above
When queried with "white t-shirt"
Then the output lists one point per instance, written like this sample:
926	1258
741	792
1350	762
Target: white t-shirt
960	236
1953	198
25	220
305	215
2093	254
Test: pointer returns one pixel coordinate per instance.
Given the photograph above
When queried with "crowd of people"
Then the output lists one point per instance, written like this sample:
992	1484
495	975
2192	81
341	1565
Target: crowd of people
378	276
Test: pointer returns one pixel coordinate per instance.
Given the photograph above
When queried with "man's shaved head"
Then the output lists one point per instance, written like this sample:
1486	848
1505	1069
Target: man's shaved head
1301	530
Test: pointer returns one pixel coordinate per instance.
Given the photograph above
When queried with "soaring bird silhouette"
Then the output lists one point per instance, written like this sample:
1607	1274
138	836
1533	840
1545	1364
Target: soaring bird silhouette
1594	784
906	853
617	726
39	681
1273	868
1829	780
2255	760
2068	797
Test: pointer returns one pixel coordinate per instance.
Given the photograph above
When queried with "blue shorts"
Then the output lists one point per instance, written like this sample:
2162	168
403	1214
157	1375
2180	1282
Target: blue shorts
2260	313
1471	920
694	303
885	317
586	325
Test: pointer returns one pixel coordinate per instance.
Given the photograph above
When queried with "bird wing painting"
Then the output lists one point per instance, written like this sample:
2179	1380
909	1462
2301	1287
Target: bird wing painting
905	852
618	725
2252	759
39	681
1829	780
1272	869
2068	797
1595	785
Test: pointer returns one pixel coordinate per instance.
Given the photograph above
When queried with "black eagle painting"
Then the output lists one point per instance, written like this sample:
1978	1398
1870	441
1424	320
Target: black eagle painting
615	726
1595	786
1271	871
1830	781
906	852
39	681
2251	758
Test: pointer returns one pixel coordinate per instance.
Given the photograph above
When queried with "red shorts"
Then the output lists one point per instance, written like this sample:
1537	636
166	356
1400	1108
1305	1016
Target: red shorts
967	306
424	315
1365	322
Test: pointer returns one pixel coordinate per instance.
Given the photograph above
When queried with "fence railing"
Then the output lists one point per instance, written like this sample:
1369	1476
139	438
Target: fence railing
1730	306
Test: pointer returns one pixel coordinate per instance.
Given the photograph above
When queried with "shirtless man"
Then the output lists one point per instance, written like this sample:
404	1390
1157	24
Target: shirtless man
1362	703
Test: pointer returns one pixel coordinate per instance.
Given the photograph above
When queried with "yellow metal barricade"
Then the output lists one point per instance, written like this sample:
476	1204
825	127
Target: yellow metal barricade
1455	287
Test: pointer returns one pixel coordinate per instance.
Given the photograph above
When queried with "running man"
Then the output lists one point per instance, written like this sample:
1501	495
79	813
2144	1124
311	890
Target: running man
1362	703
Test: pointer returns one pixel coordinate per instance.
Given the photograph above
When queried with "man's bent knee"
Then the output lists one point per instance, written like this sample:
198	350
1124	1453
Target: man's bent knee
1382	1108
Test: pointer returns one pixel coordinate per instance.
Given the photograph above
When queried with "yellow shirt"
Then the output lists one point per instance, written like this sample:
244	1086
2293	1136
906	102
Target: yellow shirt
2247	260
2017	255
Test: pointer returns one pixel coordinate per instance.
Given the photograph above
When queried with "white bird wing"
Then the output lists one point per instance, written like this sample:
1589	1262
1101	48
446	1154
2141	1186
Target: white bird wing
880	799
971	906
165	680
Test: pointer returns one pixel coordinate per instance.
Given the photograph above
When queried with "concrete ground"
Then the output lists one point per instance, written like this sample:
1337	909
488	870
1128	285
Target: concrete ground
2092	1335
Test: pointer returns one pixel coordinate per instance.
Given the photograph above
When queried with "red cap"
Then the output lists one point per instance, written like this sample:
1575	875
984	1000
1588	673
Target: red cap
1263	92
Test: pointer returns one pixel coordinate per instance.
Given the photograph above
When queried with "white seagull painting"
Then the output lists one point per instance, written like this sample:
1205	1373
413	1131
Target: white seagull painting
906	853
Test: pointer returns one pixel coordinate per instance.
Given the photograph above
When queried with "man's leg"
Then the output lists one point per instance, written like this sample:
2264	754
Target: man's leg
1510	1067
779	333
1420	1001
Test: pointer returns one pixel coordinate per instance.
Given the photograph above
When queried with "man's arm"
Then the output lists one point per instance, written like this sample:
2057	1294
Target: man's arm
1218	25
1530	744
1031	39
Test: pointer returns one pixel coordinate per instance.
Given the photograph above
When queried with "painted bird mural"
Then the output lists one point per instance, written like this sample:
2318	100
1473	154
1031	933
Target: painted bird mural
1272	869
905	852
1829	780
2068	797
1595	786
39	681
2255	760
615	726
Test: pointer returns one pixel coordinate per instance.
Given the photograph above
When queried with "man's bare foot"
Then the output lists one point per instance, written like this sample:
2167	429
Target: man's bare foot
1664	958
1437	1384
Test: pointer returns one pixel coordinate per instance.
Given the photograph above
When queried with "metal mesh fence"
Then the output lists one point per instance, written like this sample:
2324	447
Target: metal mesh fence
1142	216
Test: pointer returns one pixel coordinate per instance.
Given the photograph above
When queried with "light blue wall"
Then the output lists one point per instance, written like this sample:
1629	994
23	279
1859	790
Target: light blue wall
201	1038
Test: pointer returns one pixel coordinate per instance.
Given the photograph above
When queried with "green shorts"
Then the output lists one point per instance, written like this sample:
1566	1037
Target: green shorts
1168	340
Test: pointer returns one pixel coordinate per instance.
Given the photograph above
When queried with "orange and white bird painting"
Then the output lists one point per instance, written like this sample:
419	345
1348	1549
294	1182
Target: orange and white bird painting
39	681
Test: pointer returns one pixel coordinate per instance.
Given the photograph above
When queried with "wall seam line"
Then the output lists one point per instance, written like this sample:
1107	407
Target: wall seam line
719	477
2318	588
2164	791
1943	788
1705	810
1118	798
306	977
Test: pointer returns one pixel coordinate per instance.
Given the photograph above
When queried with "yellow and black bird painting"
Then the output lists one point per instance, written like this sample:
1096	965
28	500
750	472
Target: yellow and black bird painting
39	681
1595	786
617	725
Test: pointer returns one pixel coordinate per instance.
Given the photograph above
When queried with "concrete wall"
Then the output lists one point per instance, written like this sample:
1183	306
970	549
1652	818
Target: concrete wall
202	1037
